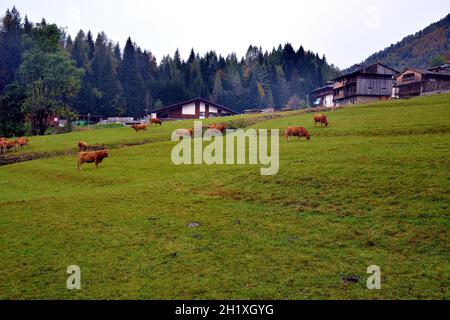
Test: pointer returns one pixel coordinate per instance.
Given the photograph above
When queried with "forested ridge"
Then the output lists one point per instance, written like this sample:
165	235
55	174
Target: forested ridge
106	79
427	48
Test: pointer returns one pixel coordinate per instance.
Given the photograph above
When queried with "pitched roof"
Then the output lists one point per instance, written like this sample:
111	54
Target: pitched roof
362	70
426	72
328	86
177	105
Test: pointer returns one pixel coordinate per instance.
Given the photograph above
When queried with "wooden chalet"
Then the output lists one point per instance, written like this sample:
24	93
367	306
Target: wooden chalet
415	82
364	85
198	108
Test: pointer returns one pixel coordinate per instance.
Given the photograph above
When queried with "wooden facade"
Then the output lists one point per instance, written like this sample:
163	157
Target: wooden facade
415	82
372	83
198	108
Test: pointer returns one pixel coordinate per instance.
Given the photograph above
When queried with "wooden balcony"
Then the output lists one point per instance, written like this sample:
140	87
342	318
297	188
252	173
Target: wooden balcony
338	85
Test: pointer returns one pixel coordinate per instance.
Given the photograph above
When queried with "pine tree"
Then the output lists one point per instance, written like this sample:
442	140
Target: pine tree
91	45
218	92
118	53
282	87
106	82
85	101
27	26
132	82
80	50
146	66
11	46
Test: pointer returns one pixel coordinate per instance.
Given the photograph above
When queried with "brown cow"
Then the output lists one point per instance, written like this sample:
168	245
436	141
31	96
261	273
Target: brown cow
185	132
22	141
219	127
322	119
91	157
296	132
156	121
139	127
11	145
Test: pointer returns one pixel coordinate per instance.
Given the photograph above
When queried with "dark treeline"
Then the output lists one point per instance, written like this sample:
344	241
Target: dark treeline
102	79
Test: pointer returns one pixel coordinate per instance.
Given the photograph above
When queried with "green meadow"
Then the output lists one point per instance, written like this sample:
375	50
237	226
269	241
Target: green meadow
371	189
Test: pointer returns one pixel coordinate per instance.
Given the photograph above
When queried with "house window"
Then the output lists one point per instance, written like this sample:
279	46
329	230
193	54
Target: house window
202	114
408	77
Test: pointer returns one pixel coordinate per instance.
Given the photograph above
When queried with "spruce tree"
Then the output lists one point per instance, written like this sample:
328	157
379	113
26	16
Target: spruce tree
107	86
132	82
11	50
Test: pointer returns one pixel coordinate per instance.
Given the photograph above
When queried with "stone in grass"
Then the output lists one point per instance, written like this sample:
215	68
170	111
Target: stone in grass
194	225
350	279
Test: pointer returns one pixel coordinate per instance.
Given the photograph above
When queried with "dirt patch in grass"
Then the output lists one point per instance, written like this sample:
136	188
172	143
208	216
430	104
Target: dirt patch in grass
14	158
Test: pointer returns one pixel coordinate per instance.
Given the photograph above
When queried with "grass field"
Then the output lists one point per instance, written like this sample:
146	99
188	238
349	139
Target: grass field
372	189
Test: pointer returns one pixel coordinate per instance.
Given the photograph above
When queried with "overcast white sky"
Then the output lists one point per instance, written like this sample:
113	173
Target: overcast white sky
346	31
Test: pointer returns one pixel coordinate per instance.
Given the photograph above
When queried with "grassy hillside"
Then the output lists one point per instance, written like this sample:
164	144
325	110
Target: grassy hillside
418	50
372	189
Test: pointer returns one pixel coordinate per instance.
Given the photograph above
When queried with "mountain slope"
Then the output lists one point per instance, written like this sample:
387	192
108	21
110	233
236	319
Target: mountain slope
418	50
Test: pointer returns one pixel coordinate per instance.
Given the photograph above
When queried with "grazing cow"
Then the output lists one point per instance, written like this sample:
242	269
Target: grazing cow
139	127
185	132
322	119
92	157
7	145
22	142
219	127
82	146
156	121
296	132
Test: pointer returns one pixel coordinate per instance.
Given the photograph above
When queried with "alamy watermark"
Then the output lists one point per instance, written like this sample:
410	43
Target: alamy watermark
374	281
74	280
241	147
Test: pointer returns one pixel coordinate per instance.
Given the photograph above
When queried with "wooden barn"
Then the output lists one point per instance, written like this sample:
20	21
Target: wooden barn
364	85
415	82
198	108
323	97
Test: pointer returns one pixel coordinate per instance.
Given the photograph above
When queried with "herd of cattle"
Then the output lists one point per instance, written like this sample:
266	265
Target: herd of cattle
6	145
289	132
96	157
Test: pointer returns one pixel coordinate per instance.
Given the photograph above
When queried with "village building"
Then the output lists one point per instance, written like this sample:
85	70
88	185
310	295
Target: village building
416	82
323	97
364	85
198	108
